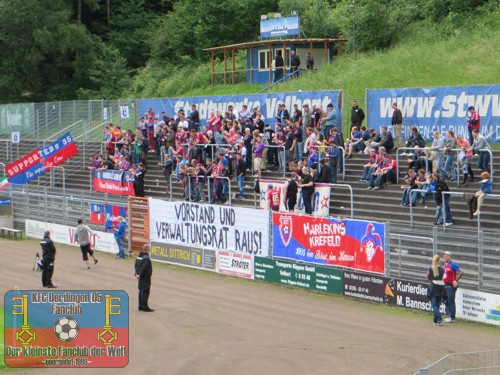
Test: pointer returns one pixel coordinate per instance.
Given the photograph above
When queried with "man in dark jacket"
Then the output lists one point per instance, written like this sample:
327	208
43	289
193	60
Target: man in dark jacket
143	272
415	138
325	175
357	115
294	64
48	257
386	140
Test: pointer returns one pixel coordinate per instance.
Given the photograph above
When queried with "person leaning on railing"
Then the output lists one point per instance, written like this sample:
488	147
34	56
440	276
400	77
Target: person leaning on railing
480	147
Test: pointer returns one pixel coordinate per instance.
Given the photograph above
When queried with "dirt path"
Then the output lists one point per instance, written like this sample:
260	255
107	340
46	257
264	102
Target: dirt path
211	324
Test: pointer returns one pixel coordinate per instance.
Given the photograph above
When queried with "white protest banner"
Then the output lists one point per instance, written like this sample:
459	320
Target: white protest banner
213	227
66	235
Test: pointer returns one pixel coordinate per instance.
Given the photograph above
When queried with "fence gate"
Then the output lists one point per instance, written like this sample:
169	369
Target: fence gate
138	209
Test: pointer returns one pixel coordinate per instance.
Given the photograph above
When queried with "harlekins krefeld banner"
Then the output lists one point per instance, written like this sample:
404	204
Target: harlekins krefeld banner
113	182
437	108
243	230
349	243
320	198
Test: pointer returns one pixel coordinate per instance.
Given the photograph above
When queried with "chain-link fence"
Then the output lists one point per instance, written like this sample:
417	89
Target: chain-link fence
39	121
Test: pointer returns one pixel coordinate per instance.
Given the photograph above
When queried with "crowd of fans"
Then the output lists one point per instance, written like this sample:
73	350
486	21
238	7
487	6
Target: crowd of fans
305	142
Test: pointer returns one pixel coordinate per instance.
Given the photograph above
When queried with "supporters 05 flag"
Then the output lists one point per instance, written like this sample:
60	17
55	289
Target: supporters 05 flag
112	213
4	183
58	151
97	214
28	168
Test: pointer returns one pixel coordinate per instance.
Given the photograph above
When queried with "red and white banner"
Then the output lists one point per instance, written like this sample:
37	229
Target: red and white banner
113	182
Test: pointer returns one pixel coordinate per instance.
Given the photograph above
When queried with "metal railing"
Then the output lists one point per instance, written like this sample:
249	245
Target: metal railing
8	145
53	171
66	129
484	362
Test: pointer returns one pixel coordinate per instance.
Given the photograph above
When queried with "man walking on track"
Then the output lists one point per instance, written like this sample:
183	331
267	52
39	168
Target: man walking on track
143	272
82	236
452	273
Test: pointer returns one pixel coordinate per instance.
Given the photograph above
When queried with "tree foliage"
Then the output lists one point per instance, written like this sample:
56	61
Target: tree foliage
64	49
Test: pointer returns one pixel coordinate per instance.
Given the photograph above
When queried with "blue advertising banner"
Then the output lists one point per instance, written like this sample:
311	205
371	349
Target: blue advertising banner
279	27
437	108
268	103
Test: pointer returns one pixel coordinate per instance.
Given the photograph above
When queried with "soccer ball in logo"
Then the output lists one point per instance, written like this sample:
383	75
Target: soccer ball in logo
66	328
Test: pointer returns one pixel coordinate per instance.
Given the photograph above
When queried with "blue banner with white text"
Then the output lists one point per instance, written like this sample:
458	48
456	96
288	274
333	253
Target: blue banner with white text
267	103
437	108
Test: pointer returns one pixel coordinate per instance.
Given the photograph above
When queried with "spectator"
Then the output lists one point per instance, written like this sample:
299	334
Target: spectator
279	64
194	118
168	166
258	151
220	184
356	138
415	139
386	171
486	188
357	115
309	61
422	184
334	157
386	140
325	174
273	198
313	171
437	149
330	120
290	192
397	125
450	155
473	122
241	168
452	273
370	167
306	117
436	291
119	235
299	145
464	158
294	63
307	186
244	114
409	185
480	148
282	114
438	186
289	144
